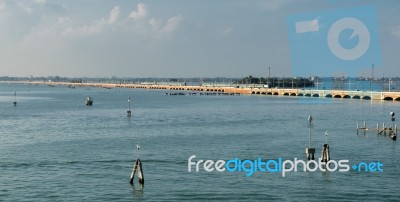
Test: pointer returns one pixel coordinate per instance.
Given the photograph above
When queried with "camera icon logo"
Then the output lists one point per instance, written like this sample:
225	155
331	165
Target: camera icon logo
333	42
360	30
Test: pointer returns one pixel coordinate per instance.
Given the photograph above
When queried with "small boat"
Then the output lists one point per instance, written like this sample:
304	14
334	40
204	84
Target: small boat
89	101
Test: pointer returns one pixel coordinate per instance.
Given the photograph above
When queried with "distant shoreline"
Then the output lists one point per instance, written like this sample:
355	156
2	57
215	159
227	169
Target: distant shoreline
225	89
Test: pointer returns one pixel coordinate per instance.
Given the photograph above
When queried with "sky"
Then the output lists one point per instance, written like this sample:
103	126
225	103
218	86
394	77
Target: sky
167	38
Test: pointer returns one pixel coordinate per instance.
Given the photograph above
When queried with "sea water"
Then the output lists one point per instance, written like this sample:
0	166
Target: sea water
54	148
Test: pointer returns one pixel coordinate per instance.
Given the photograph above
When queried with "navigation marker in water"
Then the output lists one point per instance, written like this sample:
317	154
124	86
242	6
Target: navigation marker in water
137	167
393	131
309	150
15	98
325	156
386	128
129	112
89	101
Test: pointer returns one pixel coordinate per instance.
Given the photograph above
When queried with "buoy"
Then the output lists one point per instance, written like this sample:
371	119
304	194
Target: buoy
137	167
129	113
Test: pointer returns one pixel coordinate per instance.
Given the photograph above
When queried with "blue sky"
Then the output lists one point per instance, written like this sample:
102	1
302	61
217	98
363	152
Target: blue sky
166	38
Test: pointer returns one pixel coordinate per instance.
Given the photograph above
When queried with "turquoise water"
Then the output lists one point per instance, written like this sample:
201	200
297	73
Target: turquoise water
54	148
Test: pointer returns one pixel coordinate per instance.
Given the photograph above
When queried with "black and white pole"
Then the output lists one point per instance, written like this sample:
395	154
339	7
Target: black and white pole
393	131
129	112
310	151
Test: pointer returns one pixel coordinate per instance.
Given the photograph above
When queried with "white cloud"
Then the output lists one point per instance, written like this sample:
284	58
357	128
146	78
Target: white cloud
173	24
114	14
92	28
152	26
155	24
57	28
46	32
140	13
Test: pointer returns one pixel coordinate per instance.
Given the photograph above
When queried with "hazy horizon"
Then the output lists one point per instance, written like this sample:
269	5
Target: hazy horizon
167	39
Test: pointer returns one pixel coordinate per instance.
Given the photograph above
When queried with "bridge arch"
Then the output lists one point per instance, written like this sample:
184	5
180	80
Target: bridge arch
315	95
337	96
356	97
251	92
397	99
269	93
328	95
276	93
285	94
292	94
388	98
308	95
346	96
366	97
300	94
258	92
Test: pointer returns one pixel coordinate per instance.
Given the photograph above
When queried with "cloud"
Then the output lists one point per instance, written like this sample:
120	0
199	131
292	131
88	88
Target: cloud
114	14
173	24
95	27
58	27
140	13
155	24
145	24
85	30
